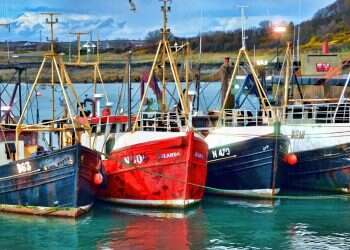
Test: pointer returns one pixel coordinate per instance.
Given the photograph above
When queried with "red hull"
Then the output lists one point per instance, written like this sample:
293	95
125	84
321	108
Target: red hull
167	172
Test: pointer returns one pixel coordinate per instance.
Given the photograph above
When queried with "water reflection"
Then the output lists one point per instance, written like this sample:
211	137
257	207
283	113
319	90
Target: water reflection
320	224
302	236
156	229
32	232
285	223
219	223
242	224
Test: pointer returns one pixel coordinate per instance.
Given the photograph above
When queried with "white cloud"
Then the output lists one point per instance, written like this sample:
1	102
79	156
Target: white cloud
234	23
28	25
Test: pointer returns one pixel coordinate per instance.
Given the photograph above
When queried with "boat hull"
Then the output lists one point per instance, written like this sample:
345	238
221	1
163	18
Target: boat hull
244	168
323	157
168	172
326	169
60	183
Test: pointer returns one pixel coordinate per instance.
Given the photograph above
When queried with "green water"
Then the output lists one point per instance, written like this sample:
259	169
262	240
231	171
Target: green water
218	223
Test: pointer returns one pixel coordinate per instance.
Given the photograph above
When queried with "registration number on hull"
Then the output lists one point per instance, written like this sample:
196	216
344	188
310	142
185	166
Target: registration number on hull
24	167
298	134
221	152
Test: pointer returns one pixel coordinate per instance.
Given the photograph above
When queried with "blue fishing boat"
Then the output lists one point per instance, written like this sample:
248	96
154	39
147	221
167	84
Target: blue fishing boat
245	145
243	160
44	169
319	151
59	183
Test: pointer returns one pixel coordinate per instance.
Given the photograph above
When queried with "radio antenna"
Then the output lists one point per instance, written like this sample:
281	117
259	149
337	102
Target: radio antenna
51	21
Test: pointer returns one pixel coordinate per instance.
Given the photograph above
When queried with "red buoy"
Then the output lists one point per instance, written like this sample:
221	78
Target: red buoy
98	179
291	159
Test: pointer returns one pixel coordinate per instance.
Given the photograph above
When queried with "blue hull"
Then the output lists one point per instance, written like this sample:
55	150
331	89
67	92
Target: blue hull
245	168
326	169
59	183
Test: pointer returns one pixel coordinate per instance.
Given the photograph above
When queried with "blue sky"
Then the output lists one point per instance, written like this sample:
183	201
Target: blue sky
114	20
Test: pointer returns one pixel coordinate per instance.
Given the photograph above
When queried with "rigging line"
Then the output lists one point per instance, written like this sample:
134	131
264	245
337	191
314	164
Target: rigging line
30	103
5	91
135	93
119	98
5	139
215	99
122	93
172	95
59	114
280	77
205	99
204	103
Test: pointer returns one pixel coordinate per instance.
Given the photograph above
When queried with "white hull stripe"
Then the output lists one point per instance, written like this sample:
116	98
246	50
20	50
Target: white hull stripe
316	136
230	135
154	203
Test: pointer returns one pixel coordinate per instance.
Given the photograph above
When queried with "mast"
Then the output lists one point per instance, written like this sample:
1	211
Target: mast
164	54
198	75
51	21
165	36
19	82
298	36
97	75
78	35
71	128
129	89
243	25
289	64
243	53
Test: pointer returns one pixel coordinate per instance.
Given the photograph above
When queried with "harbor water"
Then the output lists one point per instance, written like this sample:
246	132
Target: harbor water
217	223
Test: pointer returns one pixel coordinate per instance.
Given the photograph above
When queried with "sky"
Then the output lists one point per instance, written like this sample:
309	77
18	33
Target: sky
112	19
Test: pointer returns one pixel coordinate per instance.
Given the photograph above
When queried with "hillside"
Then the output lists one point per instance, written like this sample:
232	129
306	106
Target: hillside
332	23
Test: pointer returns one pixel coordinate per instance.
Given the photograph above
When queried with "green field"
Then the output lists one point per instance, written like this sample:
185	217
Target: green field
113	64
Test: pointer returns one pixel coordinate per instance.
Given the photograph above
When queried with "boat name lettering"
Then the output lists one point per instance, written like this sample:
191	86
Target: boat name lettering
24	167
199	155
169	155
221	152
298	134
134	160
65	160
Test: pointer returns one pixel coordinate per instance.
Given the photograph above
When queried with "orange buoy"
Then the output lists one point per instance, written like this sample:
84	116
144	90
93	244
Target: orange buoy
106	111
291	159
98	179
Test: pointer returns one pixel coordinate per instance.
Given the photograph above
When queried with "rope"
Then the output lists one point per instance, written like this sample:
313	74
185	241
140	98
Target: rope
274	197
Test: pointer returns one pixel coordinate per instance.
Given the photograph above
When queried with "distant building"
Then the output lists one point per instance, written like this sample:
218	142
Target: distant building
90	47
320	64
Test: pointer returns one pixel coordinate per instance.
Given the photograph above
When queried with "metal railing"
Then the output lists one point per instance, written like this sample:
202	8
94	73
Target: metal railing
318	113
244	118
157	121
303	113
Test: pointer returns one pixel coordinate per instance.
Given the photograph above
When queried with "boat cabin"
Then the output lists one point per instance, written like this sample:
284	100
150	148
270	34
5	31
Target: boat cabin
28	144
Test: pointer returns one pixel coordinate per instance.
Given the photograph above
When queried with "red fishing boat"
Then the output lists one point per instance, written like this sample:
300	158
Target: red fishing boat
166	169
160	161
